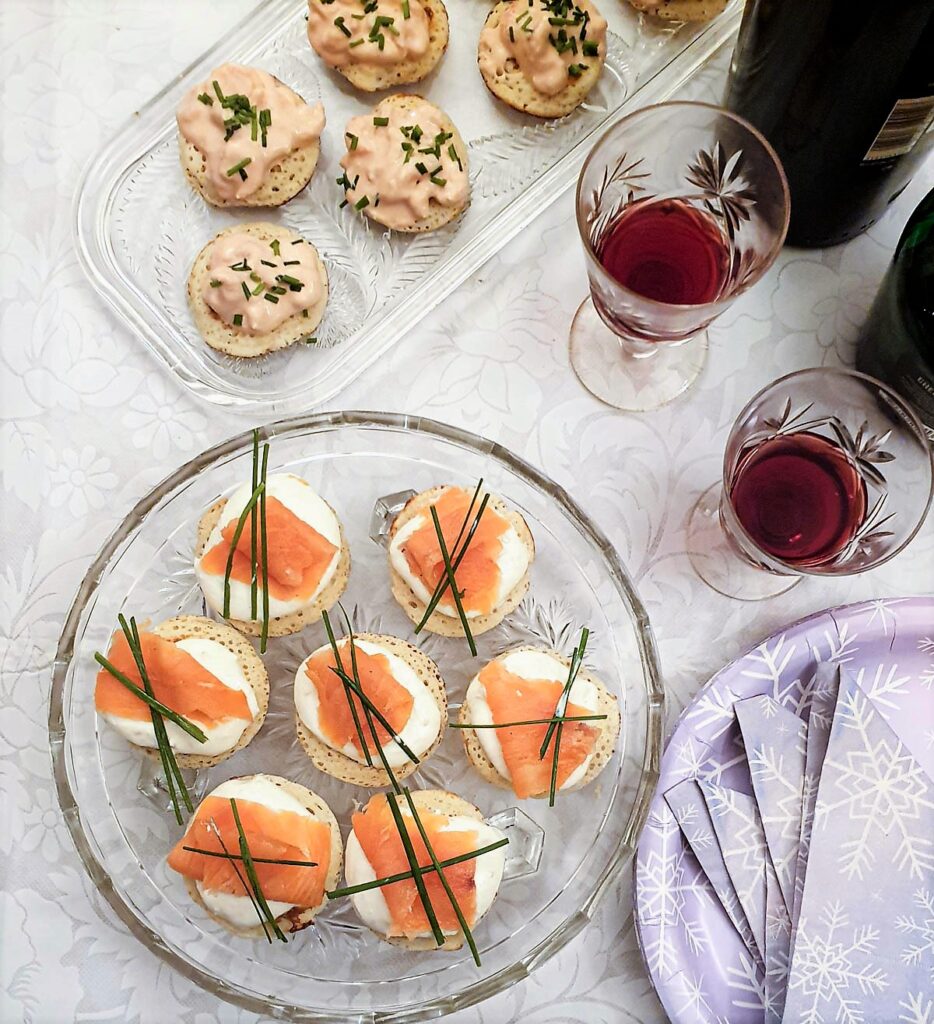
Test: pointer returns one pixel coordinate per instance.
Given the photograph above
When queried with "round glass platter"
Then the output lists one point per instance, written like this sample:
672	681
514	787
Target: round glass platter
561	860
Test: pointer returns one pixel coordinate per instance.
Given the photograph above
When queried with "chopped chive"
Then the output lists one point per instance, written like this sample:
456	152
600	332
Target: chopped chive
254	127
267	263
361	203
339	22
591	49
440	182
356	42
214	283
238	320
246	290
402	876
205	99
291	263
269	297
298	241
405	9
217	90
380	122
416	870
289	280
352	140
259	288
274	245
238	167
576	70
305	315
512	35
452	153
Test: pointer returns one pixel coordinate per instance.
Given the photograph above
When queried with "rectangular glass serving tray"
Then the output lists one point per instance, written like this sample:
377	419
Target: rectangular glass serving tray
139	225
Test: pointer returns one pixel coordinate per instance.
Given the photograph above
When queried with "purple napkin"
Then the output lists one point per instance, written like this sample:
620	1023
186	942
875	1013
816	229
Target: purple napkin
687	804
863	949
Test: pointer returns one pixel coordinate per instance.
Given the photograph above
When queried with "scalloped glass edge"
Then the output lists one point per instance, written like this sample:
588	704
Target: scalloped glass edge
654	723
95	253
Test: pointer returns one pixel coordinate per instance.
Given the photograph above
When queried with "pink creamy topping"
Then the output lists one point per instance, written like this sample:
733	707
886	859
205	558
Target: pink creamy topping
292	124
342	33
525	36
377	167
238	259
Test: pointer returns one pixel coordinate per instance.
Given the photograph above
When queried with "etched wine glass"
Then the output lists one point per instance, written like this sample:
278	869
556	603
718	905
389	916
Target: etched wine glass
827	472
681	207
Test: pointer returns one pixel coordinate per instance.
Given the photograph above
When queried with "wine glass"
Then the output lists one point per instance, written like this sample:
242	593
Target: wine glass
827	472
681	207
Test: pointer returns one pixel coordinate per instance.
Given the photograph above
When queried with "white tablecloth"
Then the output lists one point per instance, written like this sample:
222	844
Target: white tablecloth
89	422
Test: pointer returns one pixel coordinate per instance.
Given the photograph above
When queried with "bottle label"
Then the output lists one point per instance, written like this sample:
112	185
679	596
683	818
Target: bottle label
916	385
908	120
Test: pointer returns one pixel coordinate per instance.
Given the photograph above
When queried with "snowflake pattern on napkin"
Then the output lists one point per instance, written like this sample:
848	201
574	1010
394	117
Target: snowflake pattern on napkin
872	848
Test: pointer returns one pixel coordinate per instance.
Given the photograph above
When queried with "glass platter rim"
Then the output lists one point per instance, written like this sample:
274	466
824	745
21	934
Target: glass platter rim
116	159
617	575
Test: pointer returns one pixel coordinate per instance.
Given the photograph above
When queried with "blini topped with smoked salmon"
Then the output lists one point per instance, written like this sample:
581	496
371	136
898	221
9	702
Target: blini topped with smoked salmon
492	575
400	682
525	684
308	558
202	670
375	850
281	820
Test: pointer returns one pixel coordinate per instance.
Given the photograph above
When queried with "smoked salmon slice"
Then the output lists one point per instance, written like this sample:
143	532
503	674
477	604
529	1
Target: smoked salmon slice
178	680
478	574
378	683
282	835
514	699
380	841
298	555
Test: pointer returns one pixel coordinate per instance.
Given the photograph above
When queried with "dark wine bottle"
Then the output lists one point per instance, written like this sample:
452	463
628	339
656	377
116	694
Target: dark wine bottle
844	91
896	343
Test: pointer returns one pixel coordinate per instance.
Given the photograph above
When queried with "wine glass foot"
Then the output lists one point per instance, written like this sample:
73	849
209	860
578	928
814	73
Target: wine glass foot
630	382
718	565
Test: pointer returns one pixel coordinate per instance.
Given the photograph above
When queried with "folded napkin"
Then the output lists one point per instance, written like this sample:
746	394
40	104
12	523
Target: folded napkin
687	805
864	944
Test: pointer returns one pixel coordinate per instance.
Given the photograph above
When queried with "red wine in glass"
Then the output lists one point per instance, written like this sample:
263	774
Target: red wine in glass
667	250
799	497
